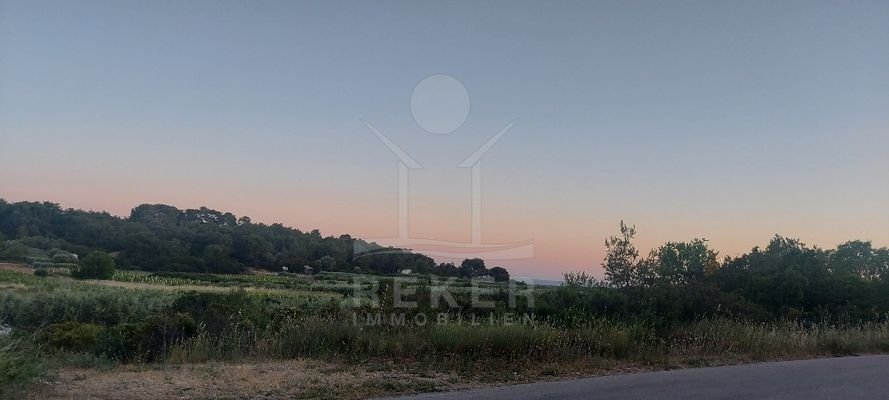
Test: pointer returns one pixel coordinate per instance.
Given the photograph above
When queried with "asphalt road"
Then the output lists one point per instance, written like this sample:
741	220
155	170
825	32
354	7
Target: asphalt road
865	377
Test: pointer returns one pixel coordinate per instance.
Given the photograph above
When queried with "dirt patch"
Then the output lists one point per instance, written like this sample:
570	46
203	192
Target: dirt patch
296	379
20	268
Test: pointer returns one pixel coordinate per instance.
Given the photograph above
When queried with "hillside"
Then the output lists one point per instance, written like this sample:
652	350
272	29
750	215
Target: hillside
159	237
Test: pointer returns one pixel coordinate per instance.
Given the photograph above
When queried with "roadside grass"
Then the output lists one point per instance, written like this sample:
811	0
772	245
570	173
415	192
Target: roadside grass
705	340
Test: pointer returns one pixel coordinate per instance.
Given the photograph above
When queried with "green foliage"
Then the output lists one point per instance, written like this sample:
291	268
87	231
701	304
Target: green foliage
621	258
159	237
12	251
148	340
73	335
683	263
326	263
570	323
580	279
96	265
32	309
782	301
858	259
19	367
140	341
499	274
217	311
472	267
684	281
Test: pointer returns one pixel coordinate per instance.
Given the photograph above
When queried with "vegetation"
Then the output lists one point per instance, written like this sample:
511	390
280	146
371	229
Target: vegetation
96	265
19	367
678	306
158	237
144	325
786	280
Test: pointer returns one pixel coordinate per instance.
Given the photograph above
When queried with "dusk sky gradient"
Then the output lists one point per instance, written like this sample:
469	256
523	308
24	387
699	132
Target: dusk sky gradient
730	121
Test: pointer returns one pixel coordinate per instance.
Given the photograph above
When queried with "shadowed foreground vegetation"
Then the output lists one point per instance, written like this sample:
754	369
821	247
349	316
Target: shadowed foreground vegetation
63	323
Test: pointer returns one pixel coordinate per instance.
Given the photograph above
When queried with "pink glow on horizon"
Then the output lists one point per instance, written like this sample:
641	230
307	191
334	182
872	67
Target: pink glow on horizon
559	246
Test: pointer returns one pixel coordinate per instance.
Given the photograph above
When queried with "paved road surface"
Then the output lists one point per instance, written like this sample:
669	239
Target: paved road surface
864	377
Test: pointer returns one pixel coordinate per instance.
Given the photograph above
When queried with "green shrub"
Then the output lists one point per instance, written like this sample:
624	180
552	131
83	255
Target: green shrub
12	251
163	331
125	342
217	312
74	336
30	310
96	265
138	341
41	272
146	341
19	366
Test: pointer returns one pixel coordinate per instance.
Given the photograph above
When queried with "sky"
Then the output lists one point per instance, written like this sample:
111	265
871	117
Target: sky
730	121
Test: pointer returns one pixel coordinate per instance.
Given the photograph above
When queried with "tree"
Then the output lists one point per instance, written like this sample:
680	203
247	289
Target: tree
683	263
12	251
621	258
96	265
158	237
326	263
860	259
580	279
472	267
500	274
447	269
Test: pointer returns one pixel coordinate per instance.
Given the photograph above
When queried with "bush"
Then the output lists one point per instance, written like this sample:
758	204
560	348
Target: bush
12	251
31	310
96	265
149	340
217	312
41	272
133	341
74	336
19	366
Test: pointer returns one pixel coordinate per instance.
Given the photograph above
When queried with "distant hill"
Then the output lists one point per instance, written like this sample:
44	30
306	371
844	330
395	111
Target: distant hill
159	237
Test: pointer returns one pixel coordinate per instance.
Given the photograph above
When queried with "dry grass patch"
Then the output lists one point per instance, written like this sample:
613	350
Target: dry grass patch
296	379
214	289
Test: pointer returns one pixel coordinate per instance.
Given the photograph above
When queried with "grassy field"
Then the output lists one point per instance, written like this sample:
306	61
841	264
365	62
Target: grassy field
142	336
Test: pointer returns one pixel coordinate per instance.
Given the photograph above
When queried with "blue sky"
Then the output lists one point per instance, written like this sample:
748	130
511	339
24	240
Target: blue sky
726	120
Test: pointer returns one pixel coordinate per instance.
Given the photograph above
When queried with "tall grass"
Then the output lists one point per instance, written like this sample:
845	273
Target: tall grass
328	336
782	339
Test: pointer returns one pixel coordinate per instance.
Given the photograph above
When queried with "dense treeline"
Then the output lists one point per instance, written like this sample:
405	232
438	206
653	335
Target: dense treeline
157	237
686	281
